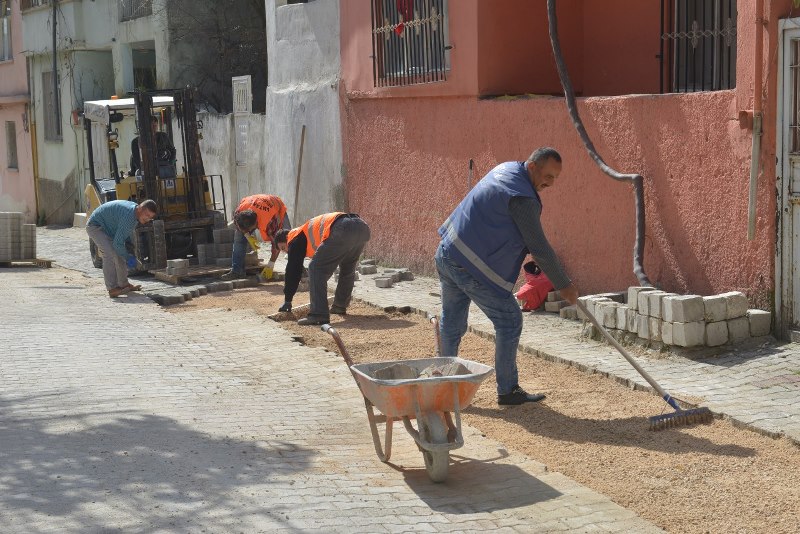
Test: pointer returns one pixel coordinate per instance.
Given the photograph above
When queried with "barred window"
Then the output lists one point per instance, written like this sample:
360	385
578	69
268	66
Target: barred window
698	45
409	42
134	9
11	144
5	30
52	124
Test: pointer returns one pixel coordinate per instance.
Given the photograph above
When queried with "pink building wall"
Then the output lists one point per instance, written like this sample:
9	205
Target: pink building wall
407	156
16	185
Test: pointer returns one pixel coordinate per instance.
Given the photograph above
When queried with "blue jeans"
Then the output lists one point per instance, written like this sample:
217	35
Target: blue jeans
459	288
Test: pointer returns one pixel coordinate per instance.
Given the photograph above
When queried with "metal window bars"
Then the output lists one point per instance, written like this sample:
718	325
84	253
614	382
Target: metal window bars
698	45
409	43
134	9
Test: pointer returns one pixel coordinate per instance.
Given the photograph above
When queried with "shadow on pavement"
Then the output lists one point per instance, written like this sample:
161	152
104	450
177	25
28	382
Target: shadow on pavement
627	431
479	486
142	469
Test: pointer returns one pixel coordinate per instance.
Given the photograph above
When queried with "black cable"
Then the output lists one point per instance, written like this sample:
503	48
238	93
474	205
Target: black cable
636	179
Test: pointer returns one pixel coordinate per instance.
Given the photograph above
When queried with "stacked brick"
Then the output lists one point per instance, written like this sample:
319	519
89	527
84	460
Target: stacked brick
220	251
17	240
658	317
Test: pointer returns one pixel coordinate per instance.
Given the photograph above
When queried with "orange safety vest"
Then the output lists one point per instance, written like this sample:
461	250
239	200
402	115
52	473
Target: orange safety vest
316	229
270	211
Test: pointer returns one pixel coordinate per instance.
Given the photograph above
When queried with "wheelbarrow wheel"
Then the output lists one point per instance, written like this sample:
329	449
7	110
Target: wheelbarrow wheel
434	430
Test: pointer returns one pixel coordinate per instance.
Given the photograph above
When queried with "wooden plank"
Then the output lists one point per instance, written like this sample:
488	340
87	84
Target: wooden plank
36	262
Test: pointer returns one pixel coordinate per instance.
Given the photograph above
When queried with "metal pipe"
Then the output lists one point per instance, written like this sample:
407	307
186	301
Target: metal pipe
57	106
755	156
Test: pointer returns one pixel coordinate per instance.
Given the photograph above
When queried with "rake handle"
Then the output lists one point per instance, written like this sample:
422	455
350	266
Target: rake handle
634	363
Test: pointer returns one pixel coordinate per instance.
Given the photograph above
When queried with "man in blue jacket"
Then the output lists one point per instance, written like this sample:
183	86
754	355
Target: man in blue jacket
484	242
109	226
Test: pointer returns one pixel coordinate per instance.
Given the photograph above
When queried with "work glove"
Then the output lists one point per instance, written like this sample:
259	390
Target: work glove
131	262
287	307
267	272
252	240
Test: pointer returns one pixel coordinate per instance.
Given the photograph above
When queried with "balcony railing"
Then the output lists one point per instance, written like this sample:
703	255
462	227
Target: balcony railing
133	9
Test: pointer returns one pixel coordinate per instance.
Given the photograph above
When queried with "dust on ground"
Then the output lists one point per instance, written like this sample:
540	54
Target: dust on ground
707	478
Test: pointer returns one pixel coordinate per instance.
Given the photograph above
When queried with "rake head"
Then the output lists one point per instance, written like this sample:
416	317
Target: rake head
681	418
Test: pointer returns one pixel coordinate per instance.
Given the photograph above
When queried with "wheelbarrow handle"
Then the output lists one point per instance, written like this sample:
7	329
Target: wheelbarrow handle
332	331
435	322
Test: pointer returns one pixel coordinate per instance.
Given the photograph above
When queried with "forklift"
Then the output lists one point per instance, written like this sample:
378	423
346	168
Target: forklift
188	207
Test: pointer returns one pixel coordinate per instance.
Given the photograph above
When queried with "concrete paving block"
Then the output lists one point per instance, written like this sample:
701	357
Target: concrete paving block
644	301
633	295
589	302
240	284
406	276
556	306
177	264
79	220
630	321
688	334
655	302
622	317
760	322
554	296
654	328
716	333
568	312
715	308
169	300
383	281
606	313
682	308
368	269
368	262
224	235
643	326
738	329
616	296
221	262
666	333
736	303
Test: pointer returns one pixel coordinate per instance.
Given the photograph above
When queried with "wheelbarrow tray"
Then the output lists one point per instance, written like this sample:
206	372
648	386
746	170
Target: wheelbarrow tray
403	397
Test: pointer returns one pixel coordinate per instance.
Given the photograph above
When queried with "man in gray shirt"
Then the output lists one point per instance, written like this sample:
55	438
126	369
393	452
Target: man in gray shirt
484	242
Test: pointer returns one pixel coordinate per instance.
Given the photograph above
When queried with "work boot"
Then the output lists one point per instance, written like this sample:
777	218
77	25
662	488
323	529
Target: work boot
338	310
310	321
518	396
233	275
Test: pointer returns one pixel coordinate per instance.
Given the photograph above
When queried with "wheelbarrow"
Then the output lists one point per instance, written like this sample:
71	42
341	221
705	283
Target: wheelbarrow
431	390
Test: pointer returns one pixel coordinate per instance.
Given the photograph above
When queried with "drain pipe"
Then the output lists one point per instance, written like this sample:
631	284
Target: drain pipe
755	156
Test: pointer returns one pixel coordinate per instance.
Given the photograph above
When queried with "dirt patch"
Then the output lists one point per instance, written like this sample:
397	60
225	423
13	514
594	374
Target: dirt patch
709	478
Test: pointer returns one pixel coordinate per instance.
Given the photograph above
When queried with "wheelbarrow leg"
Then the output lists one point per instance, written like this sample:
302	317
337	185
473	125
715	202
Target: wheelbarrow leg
386	453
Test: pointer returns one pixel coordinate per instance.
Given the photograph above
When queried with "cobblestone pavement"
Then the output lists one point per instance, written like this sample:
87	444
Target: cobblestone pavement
116	415
756	386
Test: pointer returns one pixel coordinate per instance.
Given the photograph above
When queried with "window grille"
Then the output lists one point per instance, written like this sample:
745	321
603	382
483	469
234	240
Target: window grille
11	144
29	4
409	42
52	125
698	45
794	68
133	9
5	30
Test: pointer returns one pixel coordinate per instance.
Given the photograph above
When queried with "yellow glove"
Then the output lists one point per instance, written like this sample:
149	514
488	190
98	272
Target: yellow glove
252	240
267	272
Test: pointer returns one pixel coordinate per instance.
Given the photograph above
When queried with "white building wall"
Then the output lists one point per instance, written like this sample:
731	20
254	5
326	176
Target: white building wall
303	88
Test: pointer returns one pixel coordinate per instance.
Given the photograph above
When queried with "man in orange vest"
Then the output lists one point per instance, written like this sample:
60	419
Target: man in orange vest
331	240
267	213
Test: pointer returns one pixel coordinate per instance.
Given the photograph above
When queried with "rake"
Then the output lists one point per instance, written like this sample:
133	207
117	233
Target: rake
659	422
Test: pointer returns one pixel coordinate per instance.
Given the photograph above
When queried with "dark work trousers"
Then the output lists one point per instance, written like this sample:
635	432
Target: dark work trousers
342	249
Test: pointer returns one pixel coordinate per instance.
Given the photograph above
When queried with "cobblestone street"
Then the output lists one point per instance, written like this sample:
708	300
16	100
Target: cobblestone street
116	415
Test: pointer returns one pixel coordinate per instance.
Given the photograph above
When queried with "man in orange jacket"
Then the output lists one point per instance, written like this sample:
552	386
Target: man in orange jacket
331	240
267	213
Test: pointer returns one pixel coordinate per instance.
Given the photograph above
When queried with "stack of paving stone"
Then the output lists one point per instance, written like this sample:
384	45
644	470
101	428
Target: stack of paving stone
392	276
17	240
220	251
178	267
659	318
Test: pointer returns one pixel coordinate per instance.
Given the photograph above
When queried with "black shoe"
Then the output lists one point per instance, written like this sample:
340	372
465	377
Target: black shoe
338	310
233	275
307	321
518	396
